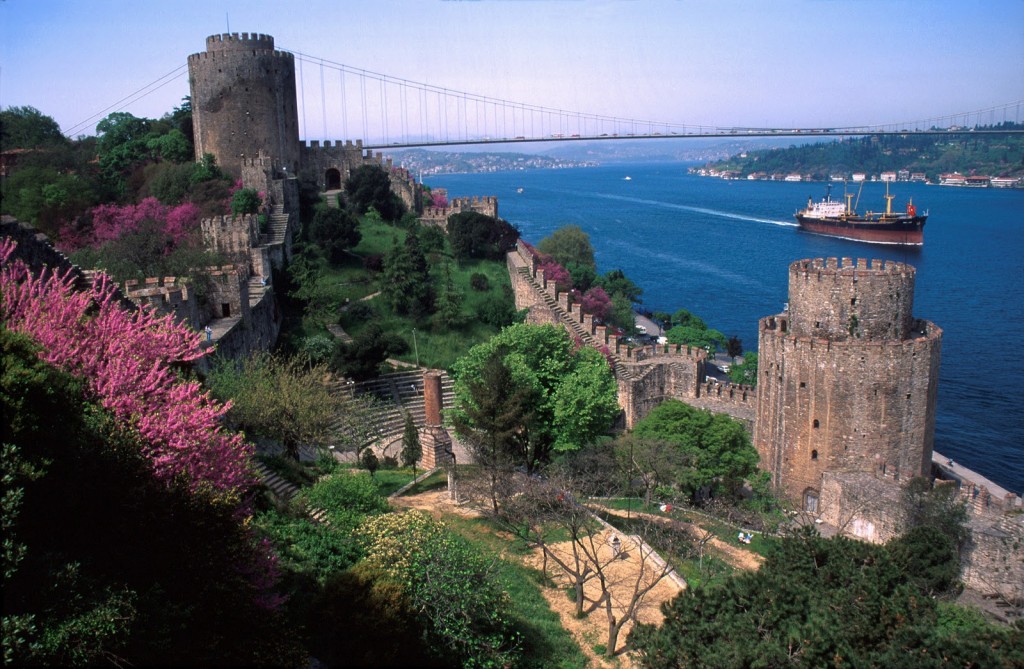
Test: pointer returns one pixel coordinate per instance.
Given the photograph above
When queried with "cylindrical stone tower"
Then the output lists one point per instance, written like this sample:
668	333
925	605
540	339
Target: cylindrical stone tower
244	103
848	378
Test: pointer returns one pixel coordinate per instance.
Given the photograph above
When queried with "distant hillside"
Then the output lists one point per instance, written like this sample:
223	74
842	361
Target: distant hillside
584	153
990	155
421	161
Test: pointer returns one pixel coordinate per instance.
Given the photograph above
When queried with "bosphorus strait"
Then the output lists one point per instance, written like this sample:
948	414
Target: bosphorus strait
721	249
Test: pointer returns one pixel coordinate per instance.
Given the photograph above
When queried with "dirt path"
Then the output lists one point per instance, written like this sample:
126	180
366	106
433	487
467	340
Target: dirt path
737	557
592	629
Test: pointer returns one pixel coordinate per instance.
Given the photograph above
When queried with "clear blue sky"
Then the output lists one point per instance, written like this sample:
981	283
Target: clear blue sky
750	63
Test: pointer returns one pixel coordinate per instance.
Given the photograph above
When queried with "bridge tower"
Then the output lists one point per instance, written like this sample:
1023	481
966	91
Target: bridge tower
244	107
848	383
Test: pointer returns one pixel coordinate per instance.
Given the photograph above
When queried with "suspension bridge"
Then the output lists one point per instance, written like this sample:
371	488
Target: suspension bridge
337	101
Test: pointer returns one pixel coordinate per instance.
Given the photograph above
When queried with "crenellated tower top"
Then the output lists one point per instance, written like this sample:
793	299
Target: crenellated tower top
840	299
231	41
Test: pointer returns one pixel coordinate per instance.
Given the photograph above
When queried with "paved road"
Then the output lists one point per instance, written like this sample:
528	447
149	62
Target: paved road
652	328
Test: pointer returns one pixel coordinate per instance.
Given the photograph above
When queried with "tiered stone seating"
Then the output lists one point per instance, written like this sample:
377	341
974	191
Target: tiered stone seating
398	394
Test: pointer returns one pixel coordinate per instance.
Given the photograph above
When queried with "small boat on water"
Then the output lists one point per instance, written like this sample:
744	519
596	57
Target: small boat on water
838	219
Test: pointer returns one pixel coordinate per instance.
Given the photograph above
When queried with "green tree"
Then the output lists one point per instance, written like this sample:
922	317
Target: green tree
689	335
173	146
687	319
746	372
495	421
370	461
716	449
817	603
370	187
474	235
279	398
616	283
28	128
568	245
930	560
936	506
448	306
572	394
122	143
585	402
621	314
335	231
405	282
412	451
361	359
170	183
733	347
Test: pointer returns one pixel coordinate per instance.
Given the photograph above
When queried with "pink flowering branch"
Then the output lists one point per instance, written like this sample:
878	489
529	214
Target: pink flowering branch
125	357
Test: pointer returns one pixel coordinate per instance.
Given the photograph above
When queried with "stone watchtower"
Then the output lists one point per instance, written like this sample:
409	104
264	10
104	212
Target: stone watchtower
848	381
244	104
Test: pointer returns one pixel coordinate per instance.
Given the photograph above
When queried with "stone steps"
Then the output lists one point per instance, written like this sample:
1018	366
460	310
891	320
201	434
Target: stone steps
400	394
621	370
286	490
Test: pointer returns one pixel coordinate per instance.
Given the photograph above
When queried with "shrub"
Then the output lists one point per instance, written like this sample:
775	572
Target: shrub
245	201
479	282
346	493
451	586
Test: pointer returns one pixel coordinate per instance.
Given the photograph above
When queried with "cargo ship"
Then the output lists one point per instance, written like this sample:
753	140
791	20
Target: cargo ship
838	219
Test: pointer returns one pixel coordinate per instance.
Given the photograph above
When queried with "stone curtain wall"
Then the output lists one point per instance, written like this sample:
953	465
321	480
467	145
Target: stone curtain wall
993	562
438	216
646	376
347	157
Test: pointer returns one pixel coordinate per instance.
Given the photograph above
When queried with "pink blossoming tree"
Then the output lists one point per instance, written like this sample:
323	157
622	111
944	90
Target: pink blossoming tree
126	358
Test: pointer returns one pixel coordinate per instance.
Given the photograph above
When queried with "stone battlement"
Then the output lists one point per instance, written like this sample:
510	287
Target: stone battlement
847	266
225	41
338	144
846	299
921	333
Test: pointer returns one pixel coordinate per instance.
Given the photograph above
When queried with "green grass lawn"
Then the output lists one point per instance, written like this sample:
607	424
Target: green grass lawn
429	346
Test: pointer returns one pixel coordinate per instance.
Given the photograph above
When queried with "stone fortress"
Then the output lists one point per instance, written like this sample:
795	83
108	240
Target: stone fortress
845	407
844	411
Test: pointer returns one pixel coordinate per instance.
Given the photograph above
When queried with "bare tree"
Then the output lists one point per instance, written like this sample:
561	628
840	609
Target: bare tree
621	567
623	591
649	462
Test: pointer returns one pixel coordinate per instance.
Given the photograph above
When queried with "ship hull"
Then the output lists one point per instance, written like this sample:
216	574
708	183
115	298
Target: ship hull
907	230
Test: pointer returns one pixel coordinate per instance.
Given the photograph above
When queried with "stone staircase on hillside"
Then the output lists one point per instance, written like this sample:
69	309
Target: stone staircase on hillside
278	230
331	198
575	327
257	286
286	490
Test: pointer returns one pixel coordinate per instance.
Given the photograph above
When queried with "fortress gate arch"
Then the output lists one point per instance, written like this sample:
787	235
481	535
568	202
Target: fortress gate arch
332	179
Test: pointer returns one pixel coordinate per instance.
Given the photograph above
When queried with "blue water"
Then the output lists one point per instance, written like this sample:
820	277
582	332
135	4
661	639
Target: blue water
721	249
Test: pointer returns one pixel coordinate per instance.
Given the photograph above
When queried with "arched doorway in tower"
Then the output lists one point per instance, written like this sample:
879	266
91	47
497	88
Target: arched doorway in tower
332	179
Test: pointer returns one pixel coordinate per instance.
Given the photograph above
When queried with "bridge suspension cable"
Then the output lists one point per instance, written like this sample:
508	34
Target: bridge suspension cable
463	116
129	99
